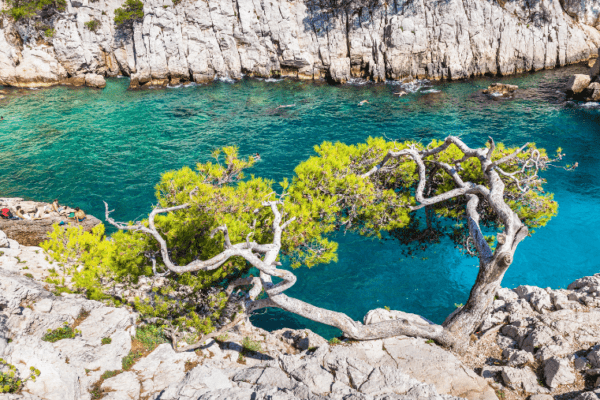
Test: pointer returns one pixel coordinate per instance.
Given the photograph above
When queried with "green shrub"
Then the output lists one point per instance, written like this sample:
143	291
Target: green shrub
132	10
29	275
22	9
88	248
9	381
64	332
92	25
130	359
334	341
109	374
151	336
249	345
49	33
106	340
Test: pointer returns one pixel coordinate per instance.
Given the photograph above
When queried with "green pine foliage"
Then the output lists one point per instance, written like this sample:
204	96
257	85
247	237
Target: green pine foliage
89	249
9	377
326	194
23	9
92	25
151	336
132	10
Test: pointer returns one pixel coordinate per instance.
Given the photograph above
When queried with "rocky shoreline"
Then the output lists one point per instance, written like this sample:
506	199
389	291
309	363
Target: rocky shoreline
537	342
34	232
200	41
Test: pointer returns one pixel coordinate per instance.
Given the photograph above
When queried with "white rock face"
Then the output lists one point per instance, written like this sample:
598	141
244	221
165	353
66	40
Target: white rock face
558	372
4	240
203	40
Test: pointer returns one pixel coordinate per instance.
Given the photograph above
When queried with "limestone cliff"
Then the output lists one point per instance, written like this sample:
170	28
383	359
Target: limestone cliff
308	39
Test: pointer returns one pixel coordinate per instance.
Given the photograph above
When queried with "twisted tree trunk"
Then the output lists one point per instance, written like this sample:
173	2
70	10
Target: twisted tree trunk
455	332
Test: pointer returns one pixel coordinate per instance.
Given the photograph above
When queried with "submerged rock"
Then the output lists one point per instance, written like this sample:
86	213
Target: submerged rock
500	89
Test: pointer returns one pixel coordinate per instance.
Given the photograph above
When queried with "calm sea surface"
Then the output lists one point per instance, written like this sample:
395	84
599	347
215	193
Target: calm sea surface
84	146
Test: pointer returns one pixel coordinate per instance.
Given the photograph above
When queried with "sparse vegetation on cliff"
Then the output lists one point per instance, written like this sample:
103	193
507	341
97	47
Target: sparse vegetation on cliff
132	10
92	25
21	9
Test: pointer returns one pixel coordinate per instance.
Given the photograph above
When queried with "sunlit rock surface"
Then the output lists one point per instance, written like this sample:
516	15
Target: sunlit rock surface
203	40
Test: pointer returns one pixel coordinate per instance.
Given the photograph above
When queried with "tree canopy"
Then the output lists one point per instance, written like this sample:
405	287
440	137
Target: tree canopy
203	211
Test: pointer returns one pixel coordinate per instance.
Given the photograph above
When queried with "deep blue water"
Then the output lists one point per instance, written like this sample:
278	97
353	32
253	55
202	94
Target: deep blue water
84	146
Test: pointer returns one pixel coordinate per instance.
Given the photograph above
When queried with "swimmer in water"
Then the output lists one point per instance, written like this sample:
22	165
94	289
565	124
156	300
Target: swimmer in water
363	102
257	156
400	93
285	106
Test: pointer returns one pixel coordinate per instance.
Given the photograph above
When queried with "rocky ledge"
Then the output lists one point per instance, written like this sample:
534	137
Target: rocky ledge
586	87
537	342
34	232
198	41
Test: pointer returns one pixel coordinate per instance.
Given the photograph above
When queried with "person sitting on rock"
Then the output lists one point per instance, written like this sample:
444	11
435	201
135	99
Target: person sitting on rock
79	214
57	208
43	213
21	214
36	214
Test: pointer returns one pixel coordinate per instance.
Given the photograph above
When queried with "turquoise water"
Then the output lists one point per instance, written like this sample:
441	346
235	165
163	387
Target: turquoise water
84	146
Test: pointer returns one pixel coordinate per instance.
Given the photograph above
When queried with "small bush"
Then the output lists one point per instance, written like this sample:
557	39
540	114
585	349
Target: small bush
49	32
29	275
250	345
65	332
132	10
92	25
9	381
151	336
109	374
130	359
222	338
106	340
334	341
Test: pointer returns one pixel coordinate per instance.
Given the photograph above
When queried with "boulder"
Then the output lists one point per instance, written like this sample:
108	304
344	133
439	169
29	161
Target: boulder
301	339
541	397
595	70
524	379
74	81
577	84
557	371
594	356
500	89
592	92
517	358
588	396
95	81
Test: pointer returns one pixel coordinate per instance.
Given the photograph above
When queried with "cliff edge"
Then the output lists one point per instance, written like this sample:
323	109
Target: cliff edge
203	40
